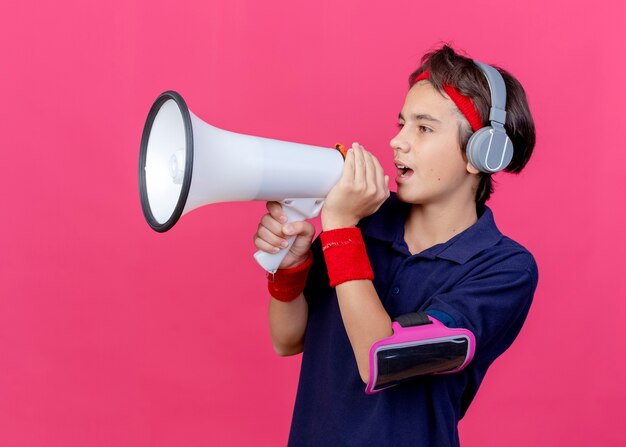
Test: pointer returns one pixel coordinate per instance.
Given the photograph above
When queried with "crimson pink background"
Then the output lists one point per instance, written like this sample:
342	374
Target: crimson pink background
114	335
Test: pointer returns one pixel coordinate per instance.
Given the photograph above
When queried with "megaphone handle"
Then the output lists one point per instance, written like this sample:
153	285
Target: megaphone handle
295	210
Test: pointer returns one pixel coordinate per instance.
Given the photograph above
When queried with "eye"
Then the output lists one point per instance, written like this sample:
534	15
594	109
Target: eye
400	125
424	129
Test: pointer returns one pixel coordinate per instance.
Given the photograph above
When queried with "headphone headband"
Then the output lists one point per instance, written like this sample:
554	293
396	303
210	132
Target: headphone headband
497	88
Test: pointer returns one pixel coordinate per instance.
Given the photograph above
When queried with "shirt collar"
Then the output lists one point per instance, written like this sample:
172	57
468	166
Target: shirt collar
388	225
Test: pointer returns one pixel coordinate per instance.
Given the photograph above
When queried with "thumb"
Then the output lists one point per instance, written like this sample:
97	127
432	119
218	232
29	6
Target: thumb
304	232
300	228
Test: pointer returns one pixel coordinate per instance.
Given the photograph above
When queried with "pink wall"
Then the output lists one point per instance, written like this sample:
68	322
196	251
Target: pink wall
113	335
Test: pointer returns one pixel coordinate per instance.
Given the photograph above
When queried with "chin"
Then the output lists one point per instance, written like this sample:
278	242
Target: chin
415	196
409	196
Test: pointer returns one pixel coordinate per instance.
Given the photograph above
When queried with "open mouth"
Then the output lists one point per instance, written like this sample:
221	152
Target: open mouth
404	171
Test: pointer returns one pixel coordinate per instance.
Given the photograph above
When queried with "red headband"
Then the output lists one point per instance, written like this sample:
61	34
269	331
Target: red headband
464	103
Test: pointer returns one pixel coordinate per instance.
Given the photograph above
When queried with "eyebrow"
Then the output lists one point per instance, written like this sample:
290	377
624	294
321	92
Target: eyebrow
420	116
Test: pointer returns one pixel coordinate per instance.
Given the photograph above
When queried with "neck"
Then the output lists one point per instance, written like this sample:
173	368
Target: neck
432	224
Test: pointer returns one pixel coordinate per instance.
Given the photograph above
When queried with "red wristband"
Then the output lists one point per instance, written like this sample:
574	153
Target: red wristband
345	254
287	284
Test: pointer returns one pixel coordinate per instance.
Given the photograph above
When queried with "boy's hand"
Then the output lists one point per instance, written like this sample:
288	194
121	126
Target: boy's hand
272	235
362	189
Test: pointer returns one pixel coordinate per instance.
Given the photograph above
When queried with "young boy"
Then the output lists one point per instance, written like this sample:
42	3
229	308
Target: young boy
432	248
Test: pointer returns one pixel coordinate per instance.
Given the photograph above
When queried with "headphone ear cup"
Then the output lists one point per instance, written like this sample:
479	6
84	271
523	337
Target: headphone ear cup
478	140
489	150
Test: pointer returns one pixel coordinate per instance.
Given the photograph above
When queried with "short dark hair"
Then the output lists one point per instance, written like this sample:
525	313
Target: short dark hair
447	67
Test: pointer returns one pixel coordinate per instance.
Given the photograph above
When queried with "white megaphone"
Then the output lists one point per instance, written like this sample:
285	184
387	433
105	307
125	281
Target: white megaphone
185	163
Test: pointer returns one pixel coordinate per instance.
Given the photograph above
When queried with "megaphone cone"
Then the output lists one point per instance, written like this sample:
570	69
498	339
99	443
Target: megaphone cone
185	163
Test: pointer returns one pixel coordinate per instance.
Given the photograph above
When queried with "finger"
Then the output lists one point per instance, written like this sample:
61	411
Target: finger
359	165
348	169
272	225
380	174
370	170
276	211
265	246
272	239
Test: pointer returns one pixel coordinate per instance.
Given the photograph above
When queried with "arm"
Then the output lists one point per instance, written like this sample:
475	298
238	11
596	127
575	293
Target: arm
287	323
359	193
287	318
364	318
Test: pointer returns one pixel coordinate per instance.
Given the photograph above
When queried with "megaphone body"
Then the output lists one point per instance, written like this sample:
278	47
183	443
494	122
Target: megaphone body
185	163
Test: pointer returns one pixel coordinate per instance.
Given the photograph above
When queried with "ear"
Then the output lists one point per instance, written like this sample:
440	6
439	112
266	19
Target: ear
471	168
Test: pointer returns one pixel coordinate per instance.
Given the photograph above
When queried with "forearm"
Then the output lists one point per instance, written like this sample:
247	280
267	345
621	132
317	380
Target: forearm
287	321
361	191
365	319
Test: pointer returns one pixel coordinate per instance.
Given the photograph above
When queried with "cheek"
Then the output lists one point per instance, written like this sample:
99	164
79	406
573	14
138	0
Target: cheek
444	162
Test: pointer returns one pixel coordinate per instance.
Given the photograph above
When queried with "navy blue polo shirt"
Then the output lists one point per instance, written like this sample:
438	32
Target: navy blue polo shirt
479	280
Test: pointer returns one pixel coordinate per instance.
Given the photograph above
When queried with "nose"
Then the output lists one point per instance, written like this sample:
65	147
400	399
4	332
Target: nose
399	142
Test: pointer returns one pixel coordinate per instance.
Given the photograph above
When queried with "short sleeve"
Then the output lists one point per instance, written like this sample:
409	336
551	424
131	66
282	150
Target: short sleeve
492	304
